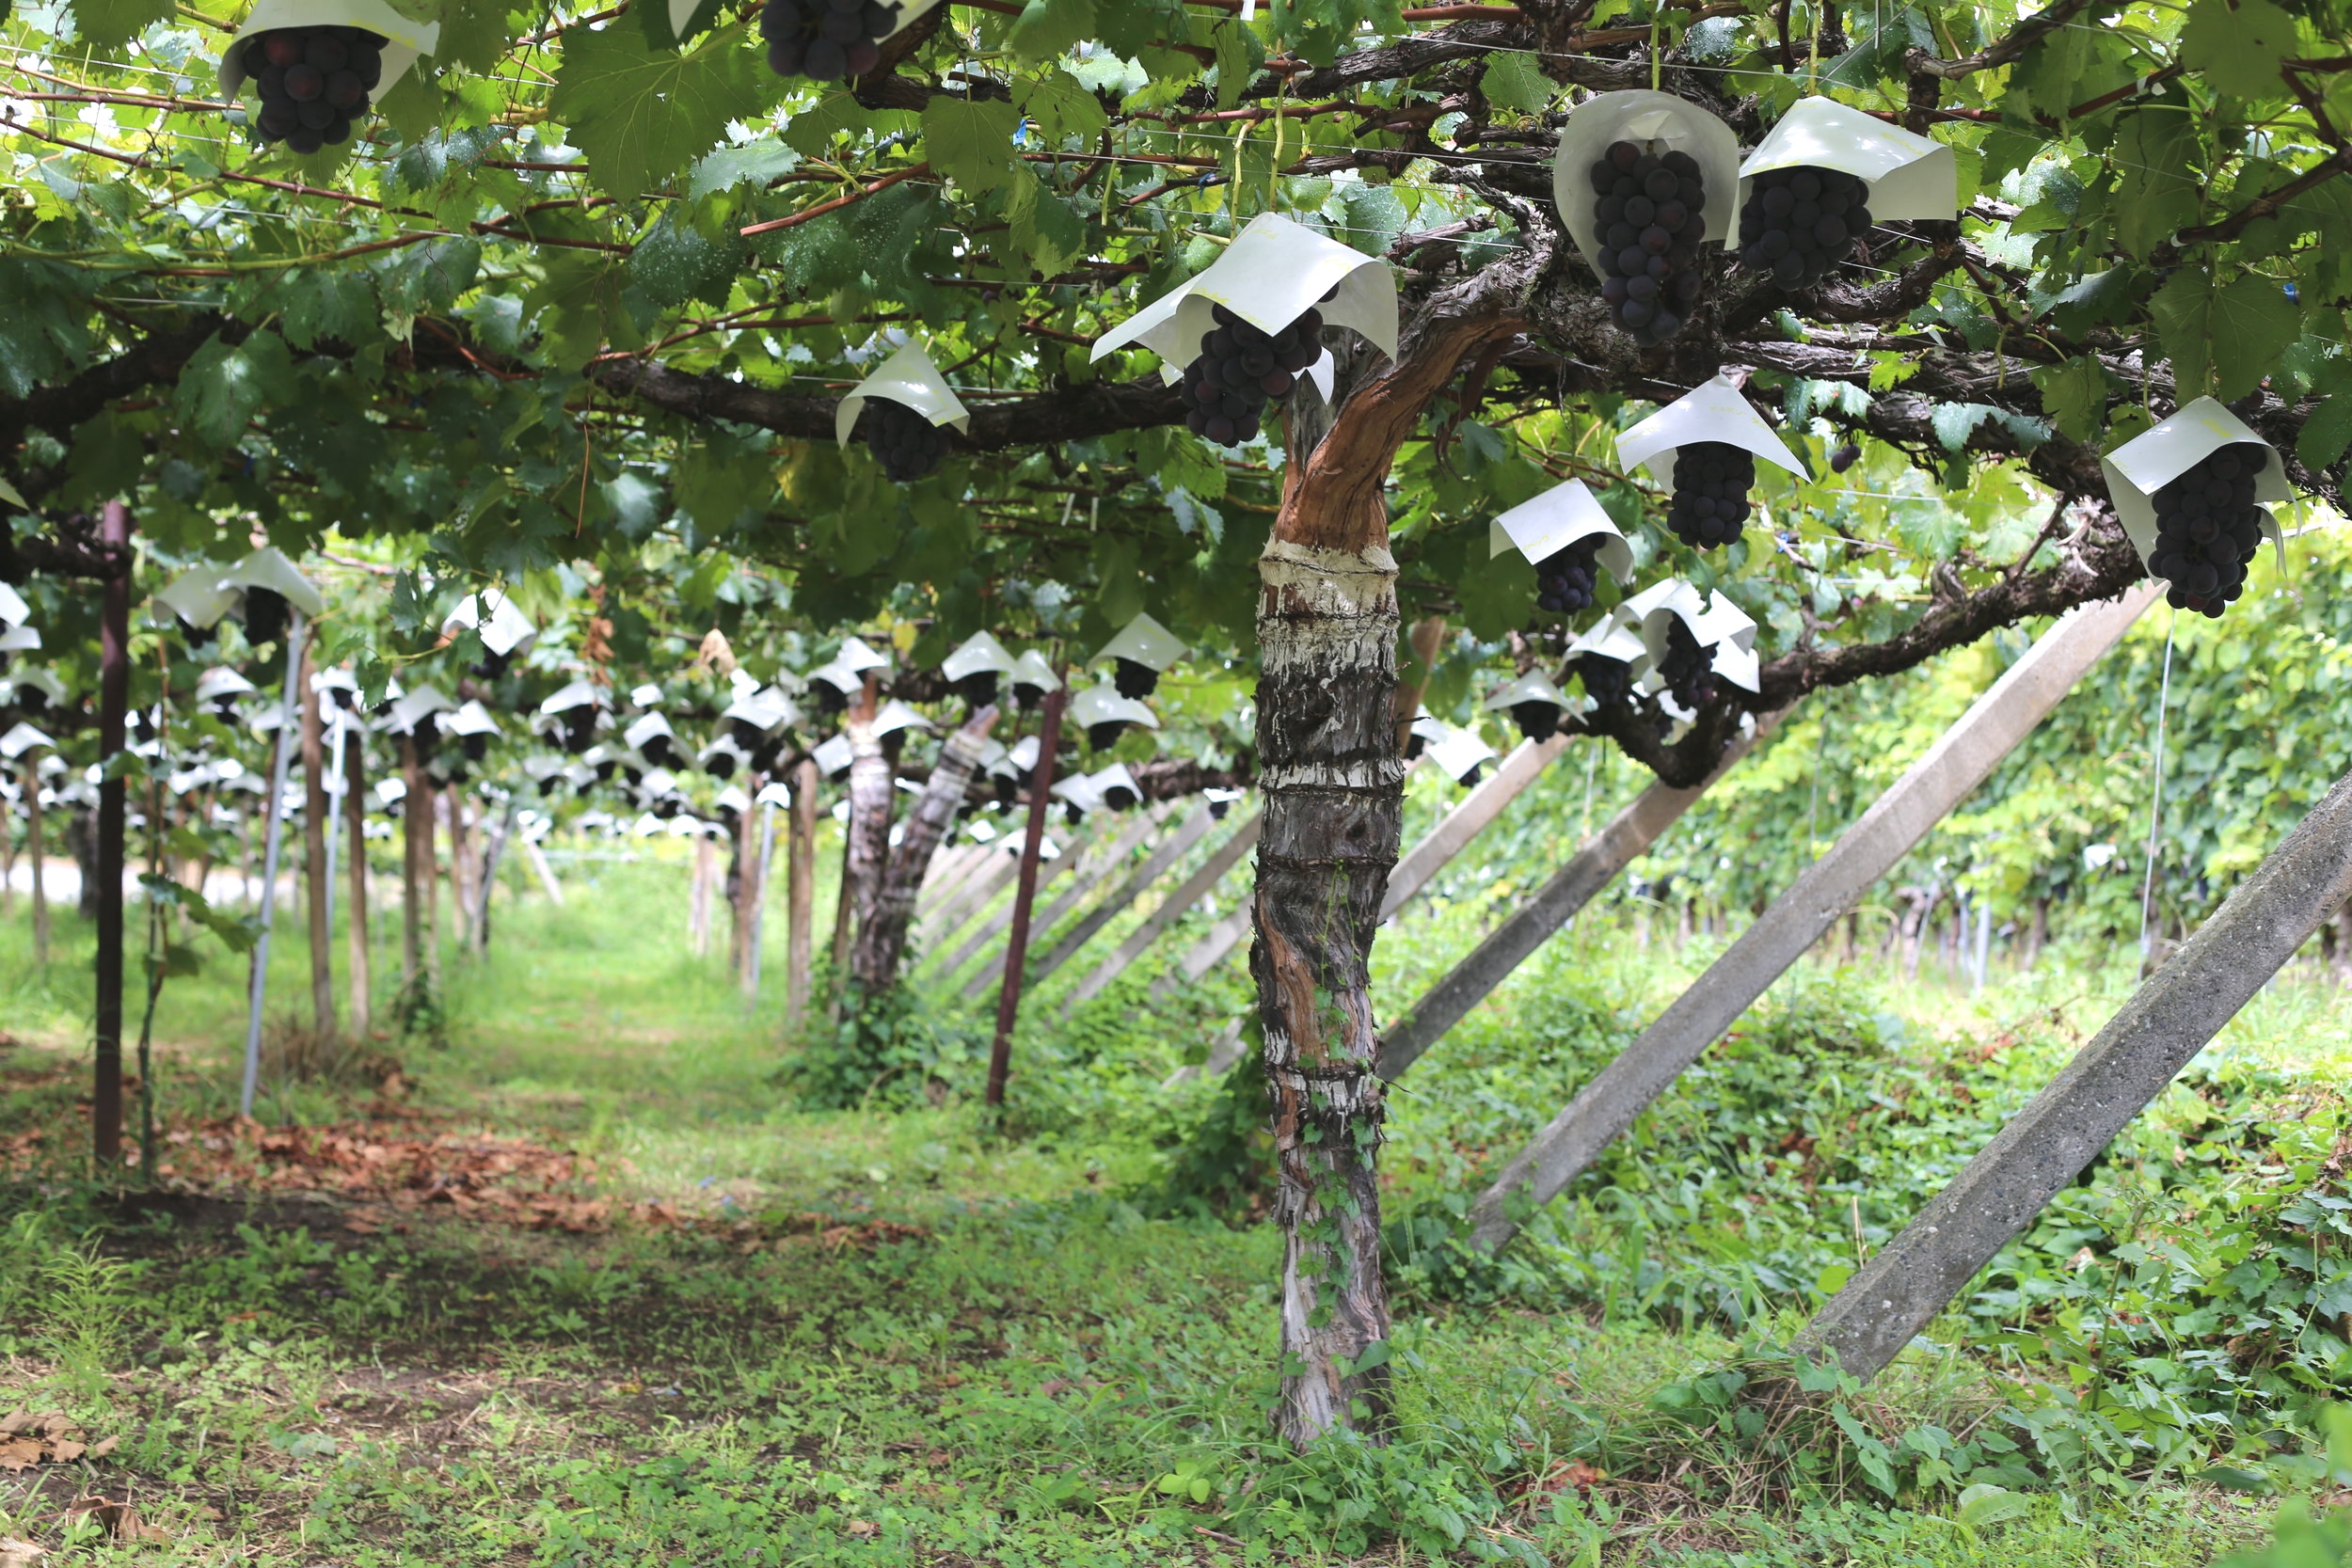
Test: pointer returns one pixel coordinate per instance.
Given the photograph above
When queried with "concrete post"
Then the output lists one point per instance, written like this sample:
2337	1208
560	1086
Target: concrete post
1594	867
1923	797
2143	1047
1471	816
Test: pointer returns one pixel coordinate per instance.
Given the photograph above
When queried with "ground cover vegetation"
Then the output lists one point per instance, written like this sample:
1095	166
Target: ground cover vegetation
1671	377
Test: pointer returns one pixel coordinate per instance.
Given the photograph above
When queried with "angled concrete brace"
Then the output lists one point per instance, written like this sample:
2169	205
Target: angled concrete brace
949	870
1165	854
2143	1047
1137	830
1593	867
1472	815
1194	888
990	884
956	910
1896	821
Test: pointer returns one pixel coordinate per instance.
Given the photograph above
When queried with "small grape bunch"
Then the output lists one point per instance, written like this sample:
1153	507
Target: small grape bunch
1650	213
2208	527
266	614
1710	500
826	41
1133	678
1537	719
1565	582
908	446
1689	672
313	83
1240	368
1607	681
1800	224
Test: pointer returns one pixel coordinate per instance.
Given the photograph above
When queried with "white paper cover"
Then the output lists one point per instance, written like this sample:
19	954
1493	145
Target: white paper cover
1543	526
43	681
14	611
2163	453
975	654
774	793
1658	121
1612	638
1144	640
573	696
473	719
269	568
907	377
732	799
21	738
858	655
1031	670
1271	273
896	715
197	596
766	708
1021	757
20	640
1531	687
1459	750
833	755
1115	777
644	727
502	628
1911	176
220	681
404	39
1102	705
1079	789
415	704
1713	620
1713	411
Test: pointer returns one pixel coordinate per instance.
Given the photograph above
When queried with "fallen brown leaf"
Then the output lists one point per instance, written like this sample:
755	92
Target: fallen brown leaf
121	1521
863	1526
20	1554
18	1454
16	1421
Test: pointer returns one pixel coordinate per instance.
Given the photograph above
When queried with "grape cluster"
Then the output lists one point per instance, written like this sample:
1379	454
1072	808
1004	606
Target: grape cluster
1690	673
1240	368
2208	527
266	614
1800	223
313	81
825	40
476	746
1119	798
1104	736
1844	457
1565	582
908	446
1650	213
1134	679
1537	718
1606	680
580	728
1711	483
978	688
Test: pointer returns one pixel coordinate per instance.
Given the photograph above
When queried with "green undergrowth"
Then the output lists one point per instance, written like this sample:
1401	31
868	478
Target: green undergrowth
889	1326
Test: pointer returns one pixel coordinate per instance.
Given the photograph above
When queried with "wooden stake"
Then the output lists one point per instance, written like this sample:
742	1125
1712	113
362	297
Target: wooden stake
36	852
800	892
317	825
1017	950
114	689
355	820
273	833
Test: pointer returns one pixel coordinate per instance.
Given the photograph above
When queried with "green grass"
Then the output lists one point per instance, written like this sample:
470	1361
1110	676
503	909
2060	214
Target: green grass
887	1336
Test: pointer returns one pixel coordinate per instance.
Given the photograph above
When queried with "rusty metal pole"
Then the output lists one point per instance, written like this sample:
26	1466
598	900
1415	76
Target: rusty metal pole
113	690
1017	950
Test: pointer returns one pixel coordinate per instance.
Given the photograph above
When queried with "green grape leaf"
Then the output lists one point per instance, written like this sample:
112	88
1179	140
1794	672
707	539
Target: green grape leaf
1512	82
2155	187
751	164
970	141
1043	226
109	25
1047	28
643	118
675	264
2073	394
2329	431
222	387
2225	336
1060	106
2238	47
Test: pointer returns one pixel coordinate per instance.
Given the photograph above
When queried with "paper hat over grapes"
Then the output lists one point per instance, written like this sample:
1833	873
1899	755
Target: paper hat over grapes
1611	639
1078	789
1102	705
219	682
646	728
1713	620
895	716
1910	175
1713	411
1142	641
20	640
977	654
1021	758
21	738
764	709
572	696
473	719
858	655
415	707
832	756
1031	670
909	377
14	611
1544	525
1454	752
1533	687
1109	782
775	792
43	683
502	628
2163	453
197	596
1269	275
404	39
1647	120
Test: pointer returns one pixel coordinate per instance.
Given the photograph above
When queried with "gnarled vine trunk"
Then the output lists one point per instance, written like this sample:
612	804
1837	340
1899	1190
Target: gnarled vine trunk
868	849
881	936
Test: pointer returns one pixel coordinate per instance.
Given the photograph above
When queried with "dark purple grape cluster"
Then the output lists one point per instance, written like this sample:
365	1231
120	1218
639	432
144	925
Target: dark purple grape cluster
1607	681
1537	719
826	41
1104	736
1710	500
1689	671
313	81
1134	679
265	615
978	688
2208	529
1565	582
1800	223
908	446
1650	213
1240	368
1844	457
580	728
